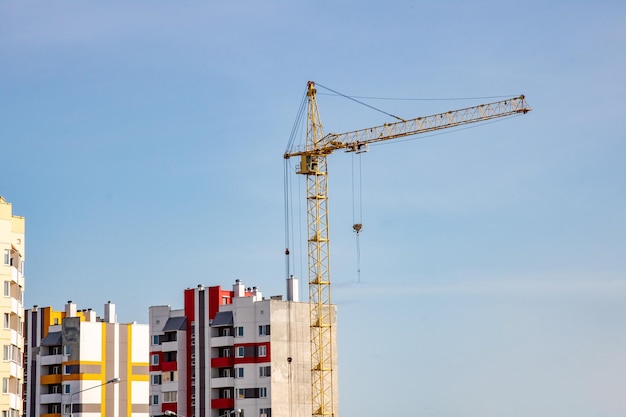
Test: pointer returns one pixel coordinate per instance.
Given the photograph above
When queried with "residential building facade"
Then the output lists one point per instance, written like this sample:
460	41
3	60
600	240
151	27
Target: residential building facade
12	310
79	364
231	352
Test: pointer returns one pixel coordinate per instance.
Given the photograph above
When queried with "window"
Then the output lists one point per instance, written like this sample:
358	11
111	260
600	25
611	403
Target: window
156	379
169	397
239	331
155	339
265	371
67	369
7	288
240	352
251	393
12	353
7	257
169	376
265	412
55	350
7	320
264	330
67	388
5	385
155	398
154	359
238	372
68	349
262	351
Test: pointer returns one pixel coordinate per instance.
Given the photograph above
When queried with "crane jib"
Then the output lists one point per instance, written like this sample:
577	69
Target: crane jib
356	141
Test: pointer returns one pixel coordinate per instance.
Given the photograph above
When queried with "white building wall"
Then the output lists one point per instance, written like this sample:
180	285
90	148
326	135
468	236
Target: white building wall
91	341
141	336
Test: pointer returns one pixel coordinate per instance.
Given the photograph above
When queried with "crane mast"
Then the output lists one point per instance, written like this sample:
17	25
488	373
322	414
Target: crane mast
313	165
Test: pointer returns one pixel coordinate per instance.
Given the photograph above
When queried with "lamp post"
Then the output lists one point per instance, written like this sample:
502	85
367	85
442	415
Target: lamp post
110	381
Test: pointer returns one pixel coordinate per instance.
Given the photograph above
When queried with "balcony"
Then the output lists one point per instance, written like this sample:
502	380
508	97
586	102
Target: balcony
169	366
51	360
17	277
51	398
16	370
16	307
15	401
220	341
169	346
226	362
51	379
169	386
16	338
223	403
223	382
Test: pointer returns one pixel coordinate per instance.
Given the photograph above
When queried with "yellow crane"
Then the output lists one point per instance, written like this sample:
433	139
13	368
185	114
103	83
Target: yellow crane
313	165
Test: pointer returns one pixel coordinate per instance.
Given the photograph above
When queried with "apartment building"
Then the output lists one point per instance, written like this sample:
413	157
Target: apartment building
12	310
231	352
80	364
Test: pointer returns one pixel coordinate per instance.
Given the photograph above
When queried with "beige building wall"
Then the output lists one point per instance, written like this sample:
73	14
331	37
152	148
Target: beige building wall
11	309
291	389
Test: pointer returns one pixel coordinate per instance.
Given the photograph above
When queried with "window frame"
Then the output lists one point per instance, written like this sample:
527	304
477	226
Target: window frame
265	371
155	379
240	352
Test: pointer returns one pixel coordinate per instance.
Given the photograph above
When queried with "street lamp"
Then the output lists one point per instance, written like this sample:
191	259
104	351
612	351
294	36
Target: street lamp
237	411
110	381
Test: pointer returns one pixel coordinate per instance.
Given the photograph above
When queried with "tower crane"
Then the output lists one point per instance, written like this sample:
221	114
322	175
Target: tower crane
313	165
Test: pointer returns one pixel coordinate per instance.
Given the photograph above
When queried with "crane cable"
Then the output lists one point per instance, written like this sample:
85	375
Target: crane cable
357	223
298	123
364	104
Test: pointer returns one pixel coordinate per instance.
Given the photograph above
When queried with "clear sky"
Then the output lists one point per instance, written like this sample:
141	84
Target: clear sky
143	141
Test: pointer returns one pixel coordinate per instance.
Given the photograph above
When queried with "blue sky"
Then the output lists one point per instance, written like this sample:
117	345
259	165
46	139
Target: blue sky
143	142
